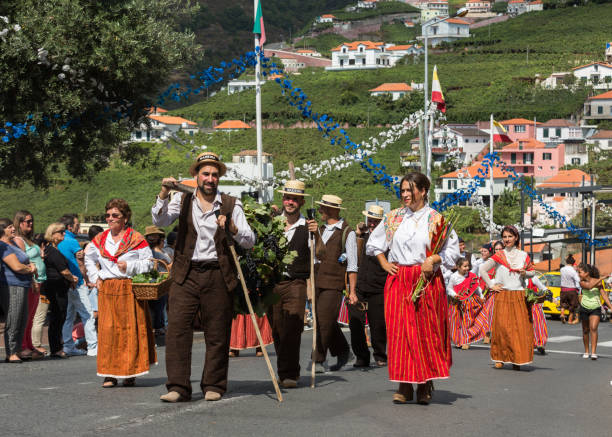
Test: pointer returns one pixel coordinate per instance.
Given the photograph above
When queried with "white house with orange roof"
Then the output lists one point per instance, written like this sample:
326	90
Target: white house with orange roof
160	127
597	74
432	9
359	55
453	181
445	31
308	52
231	126
395	90
326	18
518	7
478	6
599	107
602	140
535	5
568	204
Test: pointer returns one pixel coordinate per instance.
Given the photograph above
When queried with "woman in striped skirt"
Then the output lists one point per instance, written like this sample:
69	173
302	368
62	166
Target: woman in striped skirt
418	337
512	330
497	247
466	316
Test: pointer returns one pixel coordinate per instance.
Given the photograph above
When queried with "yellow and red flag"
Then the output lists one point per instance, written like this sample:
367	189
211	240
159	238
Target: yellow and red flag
436	91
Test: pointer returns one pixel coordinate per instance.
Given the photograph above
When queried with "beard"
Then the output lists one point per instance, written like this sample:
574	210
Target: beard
207	190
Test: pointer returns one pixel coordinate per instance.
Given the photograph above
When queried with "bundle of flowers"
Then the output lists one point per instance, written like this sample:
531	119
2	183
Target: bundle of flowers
263	265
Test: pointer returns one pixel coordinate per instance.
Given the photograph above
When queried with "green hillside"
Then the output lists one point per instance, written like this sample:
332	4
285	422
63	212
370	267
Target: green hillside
479	76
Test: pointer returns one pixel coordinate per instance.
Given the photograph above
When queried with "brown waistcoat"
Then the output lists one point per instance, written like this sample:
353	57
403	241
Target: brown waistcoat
331	273
186	240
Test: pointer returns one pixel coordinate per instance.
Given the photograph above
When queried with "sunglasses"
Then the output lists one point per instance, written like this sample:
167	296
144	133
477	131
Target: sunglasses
113	215
59	232
28	221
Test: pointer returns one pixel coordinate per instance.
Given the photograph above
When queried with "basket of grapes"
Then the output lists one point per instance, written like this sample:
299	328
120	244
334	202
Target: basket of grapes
151	285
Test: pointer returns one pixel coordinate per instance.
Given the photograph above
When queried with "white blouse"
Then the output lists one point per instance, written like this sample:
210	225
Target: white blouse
410	241
455	279
509	280
98	267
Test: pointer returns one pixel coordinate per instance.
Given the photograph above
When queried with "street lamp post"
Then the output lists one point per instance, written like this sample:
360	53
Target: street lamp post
460	13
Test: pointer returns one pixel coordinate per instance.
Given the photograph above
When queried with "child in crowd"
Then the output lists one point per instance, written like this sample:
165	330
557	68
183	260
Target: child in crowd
590	306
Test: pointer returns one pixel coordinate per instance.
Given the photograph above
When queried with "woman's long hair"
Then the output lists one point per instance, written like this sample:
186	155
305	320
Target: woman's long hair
20	216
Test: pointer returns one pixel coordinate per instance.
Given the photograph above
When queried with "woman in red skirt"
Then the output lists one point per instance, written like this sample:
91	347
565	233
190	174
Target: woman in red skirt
497	247
418	337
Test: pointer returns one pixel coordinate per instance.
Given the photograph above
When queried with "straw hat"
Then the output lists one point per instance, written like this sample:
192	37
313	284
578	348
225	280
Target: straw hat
207	158
374	212
295	188
152	230
331	201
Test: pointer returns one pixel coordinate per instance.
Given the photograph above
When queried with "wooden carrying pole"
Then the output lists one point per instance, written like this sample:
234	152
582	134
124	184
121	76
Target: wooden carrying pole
314	309
279	395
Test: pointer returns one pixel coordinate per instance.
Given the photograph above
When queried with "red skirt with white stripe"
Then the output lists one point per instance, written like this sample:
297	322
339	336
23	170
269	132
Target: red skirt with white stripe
418	338
468	321
243	333
540	330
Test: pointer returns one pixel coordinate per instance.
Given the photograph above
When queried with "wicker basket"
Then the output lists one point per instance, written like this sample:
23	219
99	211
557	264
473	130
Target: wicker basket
148	291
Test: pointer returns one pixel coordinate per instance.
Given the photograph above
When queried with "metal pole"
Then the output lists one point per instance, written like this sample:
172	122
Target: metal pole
491	182
522	220
593	206
258	112
426	106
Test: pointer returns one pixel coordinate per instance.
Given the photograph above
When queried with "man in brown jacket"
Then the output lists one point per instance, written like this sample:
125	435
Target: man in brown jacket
336	259
203	274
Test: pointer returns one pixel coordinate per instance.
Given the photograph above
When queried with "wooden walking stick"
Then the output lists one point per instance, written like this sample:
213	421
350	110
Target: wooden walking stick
230	242
314	310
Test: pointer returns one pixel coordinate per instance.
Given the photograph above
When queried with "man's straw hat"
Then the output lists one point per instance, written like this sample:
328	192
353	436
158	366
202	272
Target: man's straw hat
209	158
331	201
295	188
375	212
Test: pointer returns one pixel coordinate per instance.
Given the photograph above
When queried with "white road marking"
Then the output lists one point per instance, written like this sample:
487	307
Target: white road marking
605	344
548	351
86	382
563	339
48	388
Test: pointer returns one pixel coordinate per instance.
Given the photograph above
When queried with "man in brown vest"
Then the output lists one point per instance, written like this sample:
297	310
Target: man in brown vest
287	315
203	274
336	256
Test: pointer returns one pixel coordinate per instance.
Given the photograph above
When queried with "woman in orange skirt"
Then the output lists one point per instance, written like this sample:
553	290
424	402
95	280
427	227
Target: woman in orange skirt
512	331
126	345
244	336
418	336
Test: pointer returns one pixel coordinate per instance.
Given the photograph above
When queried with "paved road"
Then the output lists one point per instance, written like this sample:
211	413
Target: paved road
561	394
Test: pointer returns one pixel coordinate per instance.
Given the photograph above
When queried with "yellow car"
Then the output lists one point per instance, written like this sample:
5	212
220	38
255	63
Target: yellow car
553	283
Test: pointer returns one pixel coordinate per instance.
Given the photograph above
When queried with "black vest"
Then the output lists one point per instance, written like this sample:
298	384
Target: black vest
300	267
371	277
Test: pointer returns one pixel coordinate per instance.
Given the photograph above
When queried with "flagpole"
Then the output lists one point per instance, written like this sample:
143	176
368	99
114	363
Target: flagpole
426	107
491	228
258	113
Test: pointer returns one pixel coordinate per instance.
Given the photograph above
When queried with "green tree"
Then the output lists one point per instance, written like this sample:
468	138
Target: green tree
507	208
81	62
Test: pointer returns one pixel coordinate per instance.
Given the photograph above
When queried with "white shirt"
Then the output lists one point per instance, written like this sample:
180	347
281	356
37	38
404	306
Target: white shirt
536	281
98	267
410	241
476	264
351	244
164	213
570	278
455	279
509	280
291	231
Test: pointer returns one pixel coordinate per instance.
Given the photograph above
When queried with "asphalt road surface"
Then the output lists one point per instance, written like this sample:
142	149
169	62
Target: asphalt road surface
560	394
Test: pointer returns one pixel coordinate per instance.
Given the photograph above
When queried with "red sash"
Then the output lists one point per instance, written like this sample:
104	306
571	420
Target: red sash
467	288
501	259
482	283
131	240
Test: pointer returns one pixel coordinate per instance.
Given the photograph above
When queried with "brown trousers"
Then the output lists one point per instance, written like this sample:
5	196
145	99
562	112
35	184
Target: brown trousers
205	291
329	334
287	320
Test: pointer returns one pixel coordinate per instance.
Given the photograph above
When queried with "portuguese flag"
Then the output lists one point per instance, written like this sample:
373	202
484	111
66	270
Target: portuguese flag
258	26
436	91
